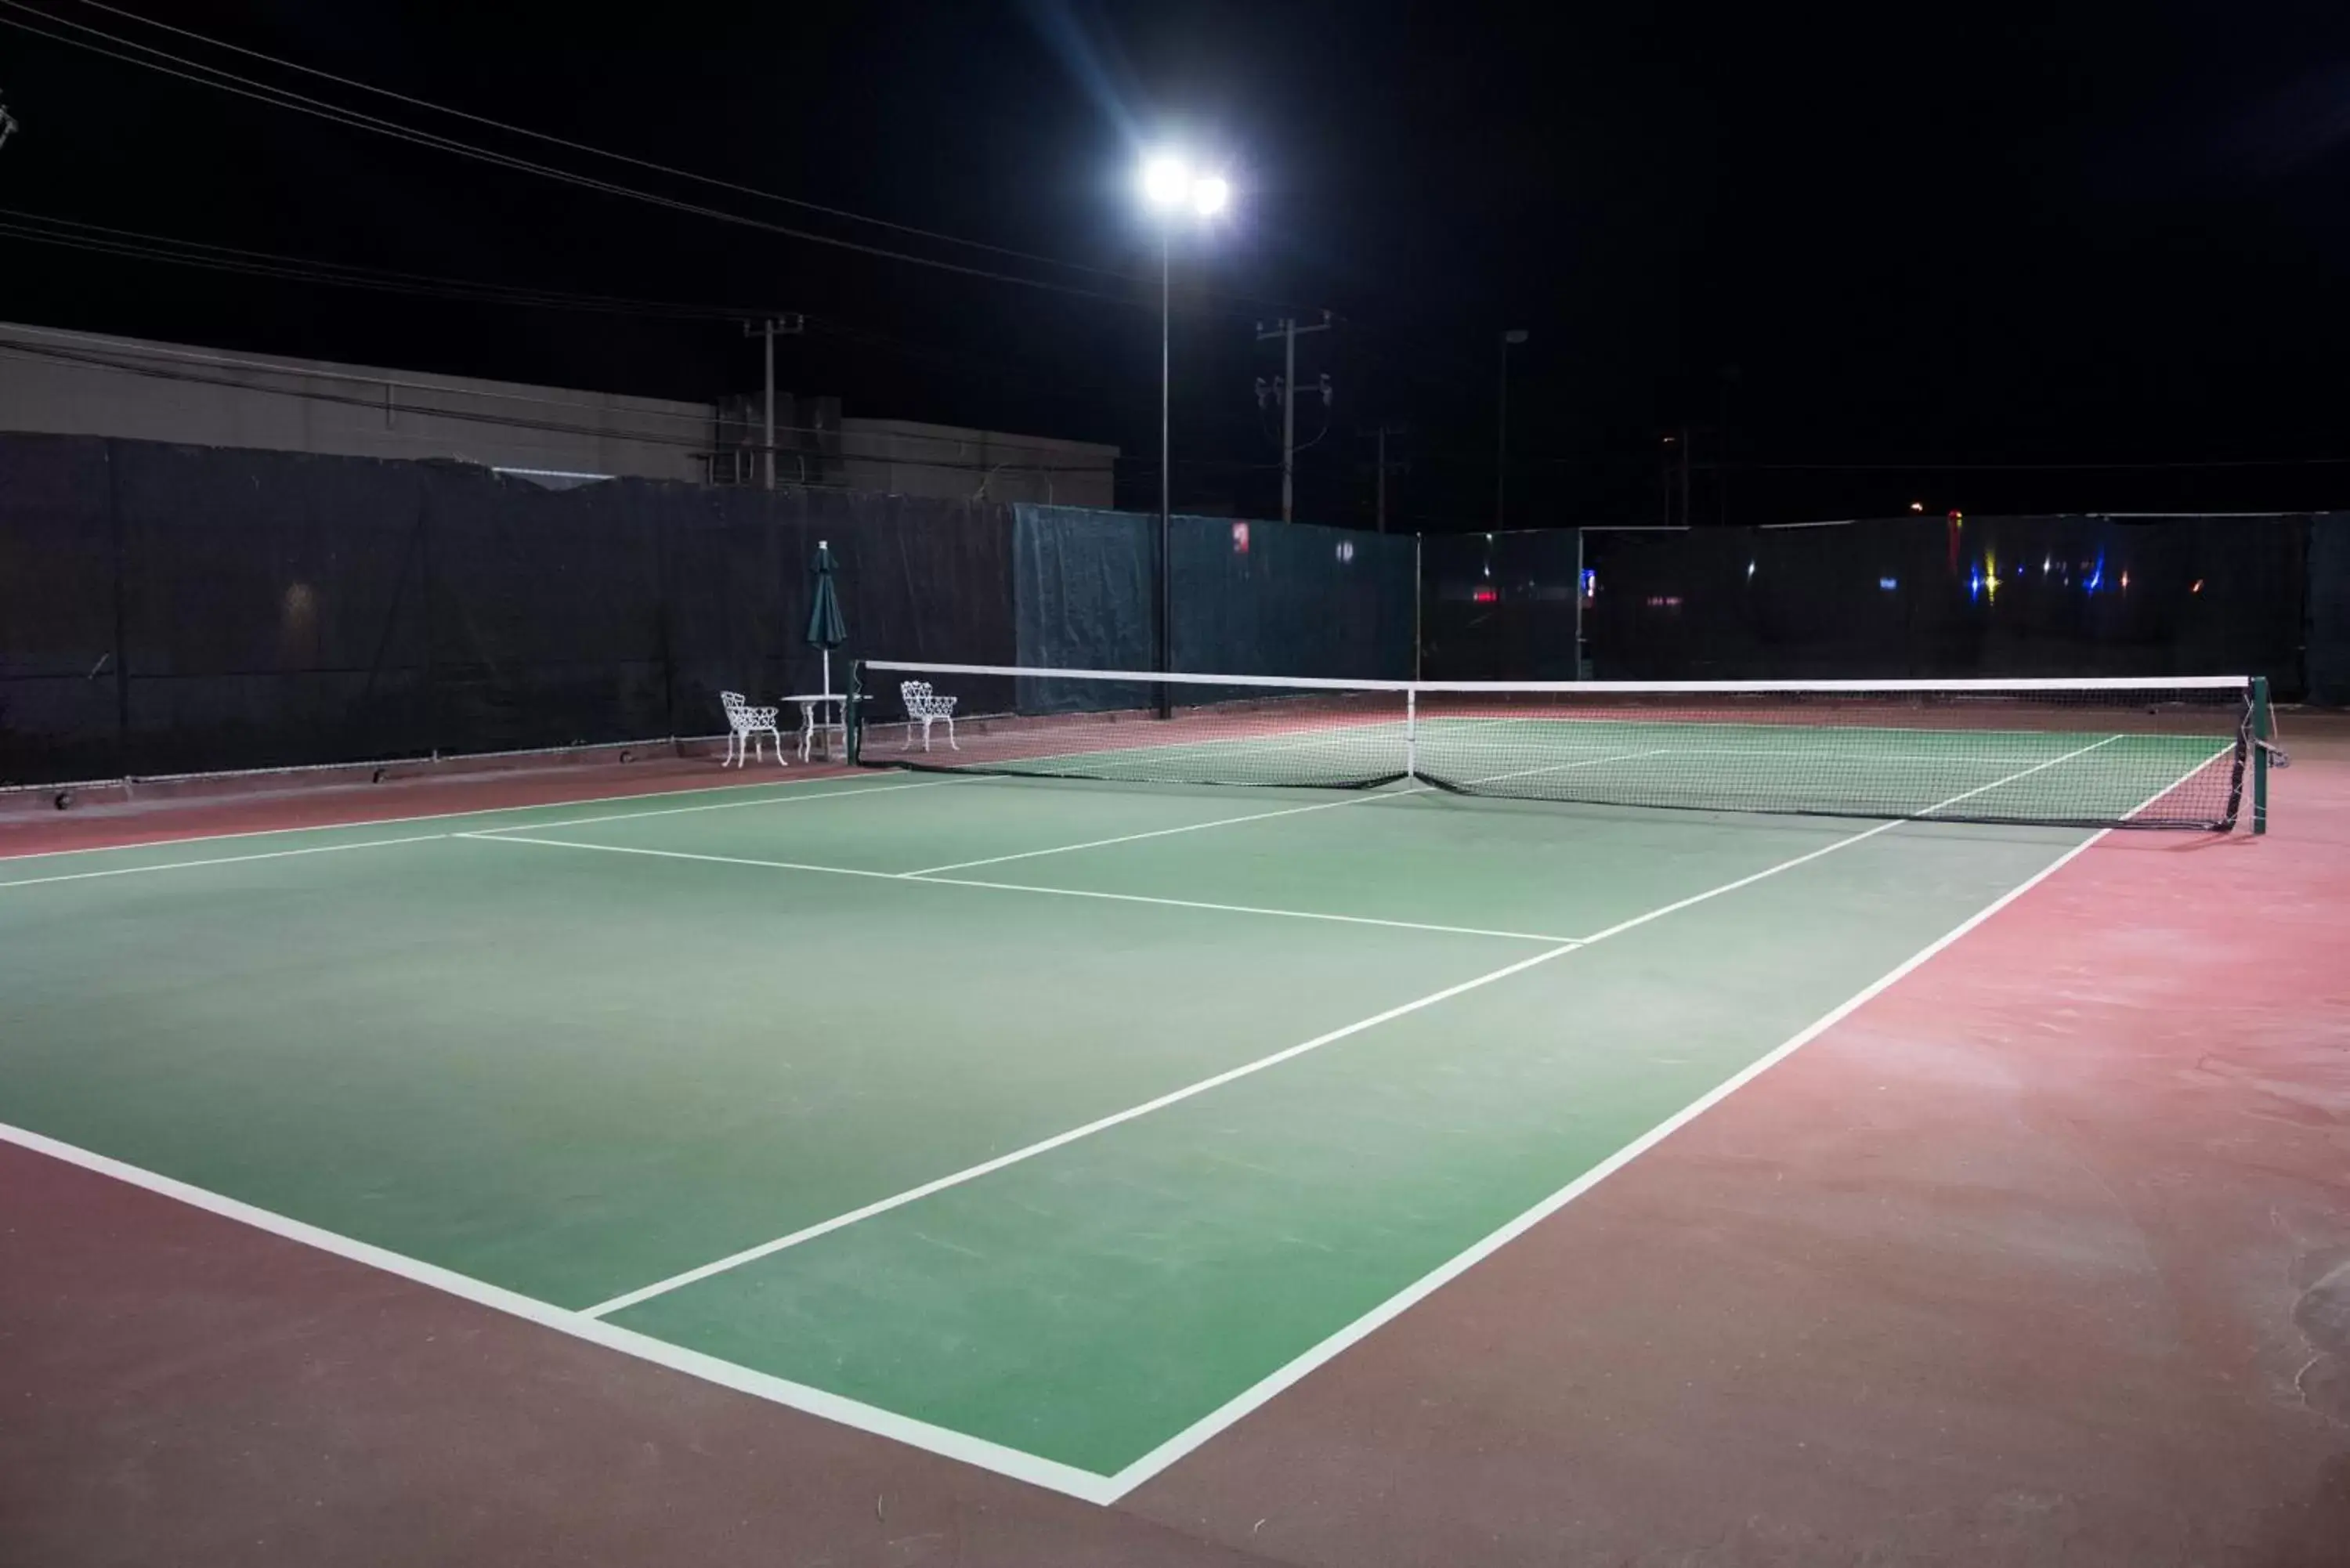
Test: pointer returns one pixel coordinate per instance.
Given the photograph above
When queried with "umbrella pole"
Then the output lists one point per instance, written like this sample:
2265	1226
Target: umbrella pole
828	672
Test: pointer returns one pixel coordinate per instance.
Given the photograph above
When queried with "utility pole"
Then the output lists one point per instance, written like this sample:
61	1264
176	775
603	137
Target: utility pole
1515	335
790	327
1721	445
1166	649
1685	476
1385	429
1287	330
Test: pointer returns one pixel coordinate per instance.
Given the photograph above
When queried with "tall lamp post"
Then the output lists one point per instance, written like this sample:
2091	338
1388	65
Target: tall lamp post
1172	187
1515	335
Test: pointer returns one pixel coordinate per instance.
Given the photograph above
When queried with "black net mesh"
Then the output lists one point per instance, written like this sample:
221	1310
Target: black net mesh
2087	754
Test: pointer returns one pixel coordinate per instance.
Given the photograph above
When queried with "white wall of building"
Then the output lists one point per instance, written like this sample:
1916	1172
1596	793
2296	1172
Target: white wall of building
902	457
80	383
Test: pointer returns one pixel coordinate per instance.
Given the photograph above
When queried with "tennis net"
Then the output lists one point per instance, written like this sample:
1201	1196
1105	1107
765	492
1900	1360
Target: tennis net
2172	752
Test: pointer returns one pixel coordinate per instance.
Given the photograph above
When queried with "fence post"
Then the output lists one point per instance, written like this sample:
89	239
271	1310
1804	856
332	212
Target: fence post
122	616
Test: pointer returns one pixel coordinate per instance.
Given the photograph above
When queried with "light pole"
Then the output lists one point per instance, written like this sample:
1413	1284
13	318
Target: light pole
1171	185
1502	421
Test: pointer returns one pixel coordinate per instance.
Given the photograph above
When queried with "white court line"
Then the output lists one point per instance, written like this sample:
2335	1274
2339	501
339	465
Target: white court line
986	1168
1058	1140
481	832
864	1417
1155	833
222	860
1265	1388
1357	799
1563	767
725	805
1246	910
1012	1462
427	816
505	837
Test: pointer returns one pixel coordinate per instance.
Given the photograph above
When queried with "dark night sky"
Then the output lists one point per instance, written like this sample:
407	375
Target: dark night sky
1921	235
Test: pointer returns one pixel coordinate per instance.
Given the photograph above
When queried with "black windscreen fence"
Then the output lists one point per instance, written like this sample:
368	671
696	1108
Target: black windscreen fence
181	609
2328	622
1501	606
178	610
1250	599
1926	599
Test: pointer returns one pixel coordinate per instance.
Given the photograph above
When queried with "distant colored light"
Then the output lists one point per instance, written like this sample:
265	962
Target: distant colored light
2125	582
1486	595
1749	568
2045	563
1345	549
1240	538
1916	506
1974	585
1889	584
1958	518
2198	588
1664	601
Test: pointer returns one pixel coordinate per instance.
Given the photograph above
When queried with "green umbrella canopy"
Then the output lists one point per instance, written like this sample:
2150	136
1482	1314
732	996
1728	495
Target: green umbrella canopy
826	629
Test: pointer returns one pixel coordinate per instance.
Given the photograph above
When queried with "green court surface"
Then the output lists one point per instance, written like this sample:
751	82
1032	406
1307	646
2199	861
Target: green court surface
1138	1103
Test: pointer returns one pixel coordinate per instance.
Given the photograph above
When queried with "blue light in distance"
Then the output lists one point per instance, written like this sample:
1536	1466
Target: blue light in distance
1889	584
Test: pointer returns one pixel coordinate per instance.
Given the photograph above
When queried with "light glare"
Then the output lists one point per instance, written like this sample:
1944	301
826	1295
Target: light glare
1165	178
1209	194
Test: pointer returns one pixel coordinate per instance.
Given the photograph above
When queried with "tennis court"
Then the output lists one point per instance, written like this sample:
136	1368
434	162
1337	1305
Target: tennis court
1049	1123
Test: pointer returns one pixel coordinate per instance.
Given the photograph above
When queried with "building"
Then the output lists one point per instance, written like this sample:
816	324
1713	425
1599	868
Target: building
81	383
902	457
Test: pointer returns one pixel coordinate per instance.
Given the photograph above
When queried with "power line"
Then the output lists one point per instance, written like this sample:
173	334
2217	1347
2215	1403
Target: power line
71	233
2034	467
593	151
102	356
262	92
132	244
181	67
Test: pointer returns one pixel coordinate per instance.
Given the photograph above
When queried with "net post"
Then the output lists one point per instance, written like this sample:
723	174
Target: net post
852	717
1411	736
2263	729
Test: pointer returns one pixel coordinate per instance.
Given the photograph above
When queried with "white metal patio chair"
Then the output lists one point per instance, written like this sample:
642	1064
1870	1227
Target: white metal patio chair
926	707
745	726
